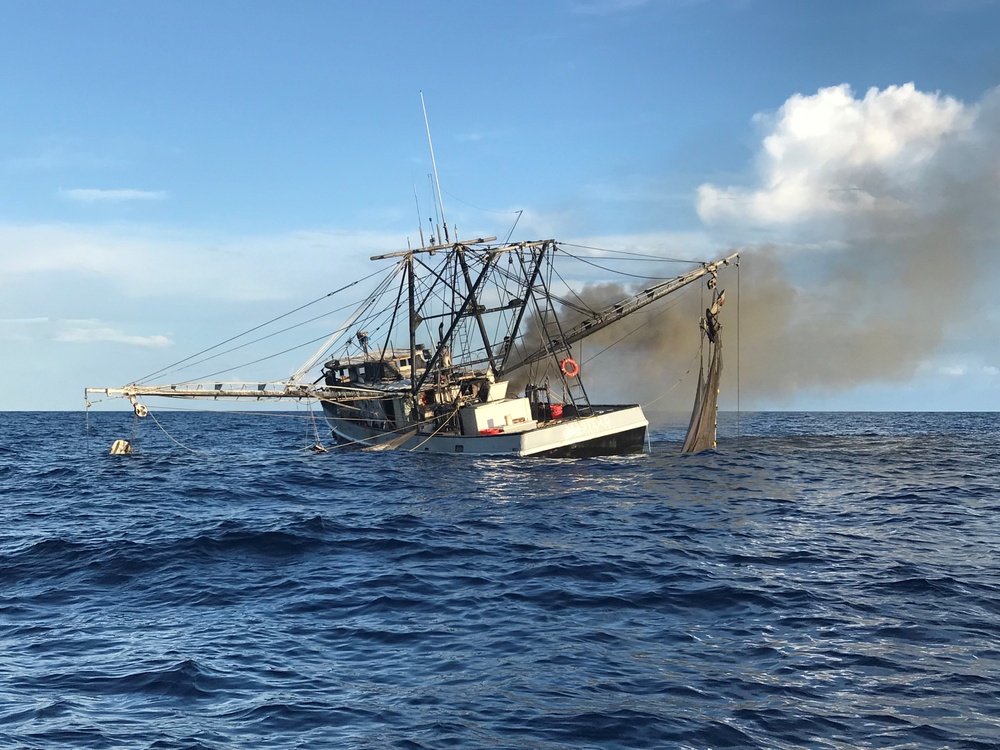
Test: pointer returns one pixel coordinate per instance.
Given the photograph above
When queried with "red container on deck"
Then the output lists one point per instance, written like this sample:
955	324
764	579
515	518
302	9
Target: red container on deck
556	411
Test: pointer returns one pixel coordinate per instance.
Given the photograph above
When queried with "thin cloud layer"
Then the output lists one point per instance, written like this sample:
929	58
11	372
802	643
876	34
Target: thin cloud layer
151	262
94	331
94	195
74	331
605	7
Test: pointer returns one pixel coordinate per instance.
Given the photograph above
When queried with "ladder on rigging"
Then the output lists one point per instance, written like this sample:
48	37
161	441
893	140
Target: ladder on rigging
552	333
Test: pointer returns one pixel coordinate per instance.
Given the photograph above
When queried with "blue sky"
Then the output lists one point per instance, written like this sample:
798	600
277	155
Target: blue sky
175	172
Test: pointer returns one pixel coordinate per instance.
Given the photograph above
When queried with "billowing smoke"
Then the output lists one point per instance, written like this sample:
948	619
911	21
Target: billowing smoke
870	242
885	211
651	357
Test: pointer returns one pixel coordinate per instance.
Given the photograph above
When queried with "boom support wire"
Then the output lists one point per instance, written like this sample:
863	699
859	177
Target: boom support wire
176	365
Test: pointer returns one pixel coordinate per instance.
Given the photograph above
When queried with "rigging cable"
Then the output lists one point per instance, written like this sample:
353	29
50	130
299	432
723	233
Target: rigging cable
211	375
368	302
318	445
133	438
197	410
262	338
637	256
512	228
479	208
168	368
623	273
666	308
679	380
444	423
193	450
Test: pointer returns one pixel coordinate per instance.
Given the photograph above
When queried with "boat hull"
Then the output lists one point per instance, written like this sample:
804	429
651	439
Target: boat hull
610	431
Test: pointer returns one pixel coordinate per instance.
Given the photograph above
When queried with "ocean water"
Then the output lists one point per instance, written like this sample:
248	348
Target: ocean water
820	581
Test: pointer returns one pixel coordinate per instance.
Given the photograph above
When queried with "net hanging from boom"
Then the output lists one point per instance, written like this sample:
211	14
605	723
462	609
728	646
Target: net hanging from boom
701	434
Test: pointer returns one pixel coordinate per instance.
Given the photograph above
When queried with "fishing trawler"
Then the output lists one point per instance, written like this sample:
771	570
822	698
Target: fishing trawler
466	346
495	322
495	317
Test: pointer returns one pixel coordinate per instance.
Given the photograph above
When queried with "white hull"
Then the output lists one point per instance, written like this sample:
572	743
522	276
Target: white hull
611	430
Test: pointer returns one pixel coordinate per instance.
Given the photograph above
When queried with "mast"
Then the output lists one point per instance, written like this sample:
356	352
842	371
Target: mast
476	311
437	182
529	285
457	316
414	322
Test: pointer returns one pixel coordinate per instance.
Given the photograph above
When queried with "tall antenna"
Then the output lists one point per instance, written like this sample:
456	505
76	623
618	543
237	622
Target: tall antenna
437	182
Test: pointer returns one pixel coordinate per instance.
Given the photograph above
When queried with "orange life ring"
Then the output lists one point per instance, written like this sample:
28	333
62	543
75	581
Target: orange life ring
569	367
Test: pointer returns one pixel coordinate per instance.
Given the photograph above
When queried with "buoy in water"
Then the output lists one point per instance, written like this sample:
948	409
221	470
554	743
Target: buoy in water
121	448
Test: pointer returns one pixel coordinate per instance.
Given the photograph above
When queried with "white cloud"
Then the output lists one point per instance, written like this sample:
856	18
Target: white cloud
94	331
73	331
831	153
963	370
94	195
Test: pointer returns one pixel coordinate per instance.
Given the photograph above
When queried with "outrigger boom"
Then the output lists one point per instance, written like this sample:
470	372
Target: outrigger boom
621	309
235	390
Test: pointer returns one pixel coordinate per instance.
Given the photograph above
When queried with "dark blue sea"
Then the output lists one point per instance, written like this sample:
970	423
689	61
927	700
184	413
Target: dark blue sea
819	581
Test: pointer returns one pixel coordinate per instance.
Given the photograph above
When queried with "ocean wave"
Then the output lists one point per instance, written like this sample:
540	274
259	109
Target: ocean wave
819	581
